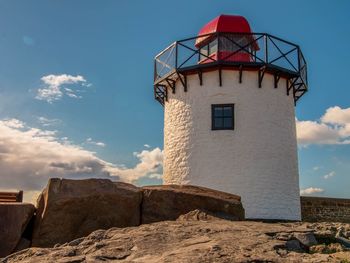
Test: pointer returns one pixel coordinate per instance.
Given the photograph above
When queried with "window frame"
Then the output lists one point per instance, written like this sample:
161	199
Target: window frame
213	106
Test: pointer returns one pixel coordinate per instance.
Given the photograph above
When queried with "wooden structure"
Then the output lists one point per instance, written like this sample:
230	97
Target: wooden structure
11	197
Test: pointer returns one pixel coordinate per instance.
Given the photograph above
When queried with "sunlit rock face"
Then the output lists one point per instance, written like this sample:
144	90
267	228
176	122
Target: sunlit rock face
197	237
69	209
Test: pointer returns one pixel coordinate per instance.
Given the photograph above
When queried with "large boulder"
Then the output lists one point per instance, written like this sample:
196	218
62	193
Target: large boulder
14	218
168	202
69	209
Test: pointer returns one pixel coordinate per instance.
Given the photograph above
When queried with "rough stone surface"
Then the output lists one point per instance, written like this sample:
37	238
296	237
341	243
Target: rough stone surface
69	209
293	245
197	215
182	241
168	202
329	230
326	249
318	209
306	239
14	217
23	244
257	160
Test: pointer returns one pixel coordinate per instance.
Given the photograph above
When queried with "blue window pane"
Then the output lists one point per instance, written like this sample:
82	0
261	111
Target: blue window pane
222	117
218	112
218	122
203	52
213	46
228	123
227	111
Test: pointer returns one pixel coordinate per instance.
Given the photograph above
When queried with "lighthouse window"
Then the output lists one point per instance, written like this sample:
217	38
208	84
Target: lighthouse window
233	43
204	52
213	47
222	116
208	49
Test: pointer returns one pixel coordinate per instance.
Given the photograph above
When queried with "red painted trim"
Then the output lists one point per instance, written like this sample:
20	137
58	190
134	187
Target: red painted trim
224	23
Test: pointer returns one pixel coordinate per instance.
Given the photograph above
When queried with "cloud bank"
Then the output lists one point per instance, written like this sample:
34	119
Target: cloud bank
311	190
29	156
333	128
55	87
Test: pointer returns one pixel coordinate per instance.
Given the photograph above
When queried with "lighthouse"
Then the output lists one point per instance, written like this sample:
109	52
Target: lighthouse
229	98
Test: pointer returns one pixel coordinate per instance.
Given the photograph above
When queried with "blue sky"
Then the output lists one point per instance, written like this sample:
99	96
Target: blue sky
109	112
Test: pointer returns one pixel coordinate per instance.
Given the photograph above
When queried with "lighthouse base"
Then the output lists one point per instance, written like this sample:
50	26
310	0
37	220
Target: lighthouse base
256	160
257	206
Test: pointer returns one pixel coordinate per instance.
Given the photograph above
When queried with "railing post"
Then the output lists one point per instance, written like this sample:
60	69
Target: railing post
176	53
266	50
299	60
155	70
218	57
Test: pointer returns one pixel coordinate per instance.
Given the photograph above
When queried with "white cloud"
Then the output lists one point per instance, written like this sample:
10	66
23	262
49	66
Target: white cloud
48	122
336	115
72	95
316	168
53	87
151	162
13	123
90	141
29	156
329	175
147	145
311	132
311	190
156	176
332	128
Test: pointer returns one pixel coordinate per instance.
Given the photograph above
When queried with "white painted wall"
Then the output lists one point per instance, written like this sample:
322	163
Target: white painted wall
258	160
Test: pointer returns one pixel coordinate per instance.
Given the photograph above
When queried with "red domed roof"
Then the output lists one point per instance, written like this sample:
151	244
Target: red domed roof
224	23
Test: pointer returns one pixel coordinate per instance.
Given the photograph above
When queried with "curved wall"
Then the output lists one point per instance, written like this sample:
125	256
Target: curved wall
257	160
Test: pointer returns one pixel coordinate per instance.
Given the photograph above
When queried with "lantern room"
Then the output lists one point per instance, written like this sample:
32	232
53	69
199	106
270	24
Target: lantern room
235	46
228	43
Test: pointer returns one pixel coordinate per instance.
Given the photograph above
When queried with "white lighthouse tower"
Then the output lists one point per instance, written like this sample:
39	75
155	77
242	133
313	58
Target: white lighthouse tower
229	121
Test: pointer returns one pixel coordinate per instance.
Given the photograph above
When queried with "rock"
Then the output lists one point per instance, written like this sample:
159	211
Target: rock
284	236
322	234
168	202
347	234
326	249
197	215
24	243
344	241
306	239
293	245
180	241
14	218
69	209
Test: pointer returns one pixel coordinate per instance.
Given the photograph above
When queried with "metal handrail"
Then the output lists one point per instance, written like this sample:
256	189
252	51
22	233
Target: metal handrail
273	52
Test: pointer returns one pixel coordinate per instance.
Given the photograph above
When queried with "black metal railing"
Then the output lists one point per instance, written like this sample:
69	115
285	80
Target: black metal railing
242	50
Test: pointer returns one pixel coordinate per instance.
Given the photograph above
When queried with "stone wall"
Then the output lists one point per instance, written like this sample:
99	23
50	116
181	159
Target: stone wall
315	209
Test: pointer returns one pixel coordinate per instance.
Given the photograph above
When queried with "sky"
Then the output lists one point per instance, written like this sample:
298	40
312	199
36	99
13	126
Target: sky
76	94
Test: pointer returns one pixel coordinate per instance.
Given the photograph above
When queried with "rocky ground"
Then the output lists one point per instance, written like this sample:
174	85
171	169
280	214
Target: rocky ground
200	237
